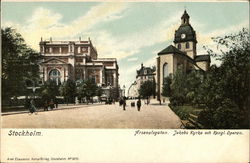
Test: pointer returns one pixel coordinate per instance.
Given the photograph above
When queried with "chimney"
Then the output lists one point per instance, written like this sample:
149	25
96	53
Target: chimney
50	39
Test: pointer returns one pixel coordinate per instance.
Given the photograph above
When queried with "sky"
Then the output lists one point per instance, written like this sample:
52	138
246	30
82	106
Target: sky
132	32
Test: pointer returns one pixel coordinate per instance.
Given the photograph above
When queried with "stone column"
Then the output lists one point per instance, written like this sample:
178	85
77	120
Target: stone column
63	74
69	48
72	48
45	74
114	78
100	73
67	73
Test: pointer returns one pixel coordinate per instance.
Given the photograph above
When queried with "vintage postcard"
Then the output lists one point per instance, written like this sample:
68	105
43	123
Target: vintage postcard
126	81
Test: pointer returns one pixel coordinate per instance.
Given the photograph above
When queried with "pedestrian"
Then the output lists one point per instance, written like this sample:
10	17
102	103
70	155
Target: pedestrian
121	102
56	103
160	101
32	107
27	104
124	103
138	104
51	104
46	106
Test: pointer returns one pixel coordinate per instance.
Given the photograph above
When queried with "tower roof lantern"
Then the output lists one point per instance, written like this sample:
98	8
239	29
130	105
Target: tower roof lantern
185	15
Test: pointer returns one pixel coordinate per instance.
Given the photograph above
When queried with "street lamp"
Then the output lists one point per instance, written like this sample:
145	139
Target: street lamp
33	88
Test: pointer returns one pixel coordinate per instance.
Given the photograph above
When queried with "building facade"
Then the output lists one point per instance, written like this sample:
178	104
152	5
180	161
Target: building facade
182	54
142	75
78	61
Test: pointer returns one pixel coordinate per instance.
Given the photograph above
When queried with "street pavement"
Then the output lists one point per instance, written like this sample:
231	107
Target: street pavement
153	116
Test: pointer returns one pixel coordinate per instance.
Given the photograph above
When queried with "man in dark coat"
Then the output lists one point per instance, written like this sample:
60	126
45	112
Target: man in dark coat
56	103
32	107
46	106
138	104
51	105
120	102
124	103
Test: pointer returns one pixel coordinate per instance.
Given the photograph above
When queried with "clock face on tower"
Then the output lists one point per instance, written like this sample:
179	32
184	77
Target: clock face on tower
183	36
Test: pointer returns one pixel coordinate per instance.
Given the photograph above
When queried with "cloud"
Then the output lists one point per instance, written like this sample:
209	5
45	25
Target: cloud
46	23
205	39
150	62
132	59
127	46
43	19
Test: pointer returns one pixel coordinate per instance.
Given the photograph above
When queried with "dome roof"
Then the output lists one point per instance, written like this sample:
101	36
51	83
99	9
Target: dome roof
188	31
185	32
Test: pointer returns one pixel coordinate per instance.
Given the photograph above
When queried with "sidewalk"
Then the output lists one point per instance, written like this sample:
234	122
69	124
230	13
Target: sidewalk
60	107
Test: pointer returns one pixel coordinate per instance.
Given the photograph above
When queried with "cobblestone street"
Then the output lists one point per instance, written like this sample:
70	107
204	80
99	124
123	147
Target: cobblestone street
153	116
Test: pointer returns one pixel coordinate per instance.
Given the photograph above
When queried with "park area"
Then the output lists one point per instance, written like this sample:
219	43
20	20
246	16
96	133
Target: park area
153	116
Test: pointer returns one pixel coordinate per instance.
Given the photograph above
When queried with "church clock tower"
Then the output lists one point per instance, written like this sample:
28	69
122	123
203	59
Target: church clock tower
185	37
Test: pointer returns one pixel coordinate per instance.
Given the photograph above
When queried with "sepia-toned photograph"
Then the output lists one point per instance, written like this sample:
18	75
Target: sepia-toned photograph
125	65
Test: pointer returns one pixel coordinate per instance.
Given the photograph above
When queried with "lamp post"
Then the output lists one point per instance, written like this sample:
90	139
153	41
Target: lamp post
31	105
33	88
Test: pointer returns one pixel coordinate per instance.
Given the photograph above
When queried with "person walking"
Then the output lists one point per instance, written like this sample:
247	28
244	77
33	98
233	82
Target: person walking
121	102
46	106
138	104
27	104
51	105
124	103
32	107
56	103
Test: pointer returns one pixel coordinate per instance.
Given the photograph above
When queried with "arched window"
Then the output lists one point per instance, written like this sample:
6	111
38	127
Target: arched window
187	45
179	46
55	76
165	71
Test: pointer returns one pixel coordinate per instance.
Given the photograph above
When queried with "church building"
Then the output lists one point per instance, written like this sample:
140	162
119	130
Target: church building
78	61
182	54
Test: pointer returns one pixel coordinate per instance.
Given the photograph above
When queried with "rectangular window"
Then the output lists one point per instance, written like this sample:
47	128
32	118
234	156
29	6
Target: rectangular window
56	50
79	60
64	50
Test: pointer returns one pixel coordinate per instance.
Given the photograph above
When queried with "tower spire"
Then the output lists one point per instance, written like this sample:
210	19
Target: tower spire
185	18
